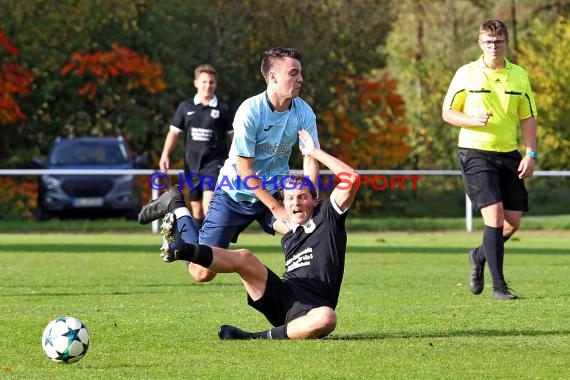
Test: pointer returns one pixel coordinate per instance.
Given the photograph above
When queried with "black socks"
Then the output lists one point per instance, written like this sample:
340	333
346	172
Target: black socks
197	223
228	332
480	256
494	251
276	333
197	253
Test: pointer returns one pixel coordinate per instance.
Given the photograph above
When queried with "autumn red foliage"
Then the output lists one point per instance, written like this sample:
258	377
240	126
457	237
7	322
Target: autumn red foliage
367	125
100	66
14	79
18	198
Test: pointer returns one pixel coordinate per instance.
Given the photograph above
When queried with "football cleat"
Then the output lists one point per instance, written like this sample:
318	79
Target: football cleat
171	240
504	294
476	277
227	332
170	200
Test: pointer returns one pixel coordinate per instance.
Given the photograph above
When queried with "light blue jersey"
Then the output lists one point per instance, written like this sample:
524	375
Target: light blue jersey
269	136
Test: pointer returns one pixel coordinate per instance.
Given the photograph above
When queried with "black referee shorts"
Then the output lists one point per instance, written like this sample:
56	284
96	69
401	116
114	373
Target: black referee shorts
491	177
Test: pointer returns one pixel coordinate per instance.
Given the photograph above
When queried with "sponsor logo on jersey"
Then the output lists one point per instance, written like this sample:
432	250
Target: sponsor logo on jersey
201	134
301	259
272	149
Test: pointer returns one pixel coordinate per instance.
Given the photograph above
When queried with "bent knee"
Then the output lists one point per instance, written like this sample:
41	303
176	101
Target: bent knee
511	226
244	253
248	258
200	274
325	322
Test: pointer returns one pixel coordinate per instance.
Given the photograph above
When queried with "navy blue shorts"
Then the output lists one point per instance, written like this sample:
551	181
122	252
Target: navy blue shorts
491	177
226	219
279	304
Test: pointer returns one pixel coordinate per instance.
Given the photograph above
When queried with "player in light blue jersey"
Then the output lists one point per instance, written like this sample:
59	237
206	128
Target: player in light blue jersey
267	135
266	128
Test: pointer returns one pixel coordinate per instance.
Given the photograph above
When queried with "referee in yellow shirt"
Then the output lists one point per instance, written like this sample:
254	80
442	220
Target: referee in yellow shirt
489	99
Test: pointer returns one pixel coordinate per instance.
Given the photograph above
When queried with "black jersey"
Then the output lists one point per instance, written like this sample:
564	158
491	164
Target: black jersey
314	256
205	130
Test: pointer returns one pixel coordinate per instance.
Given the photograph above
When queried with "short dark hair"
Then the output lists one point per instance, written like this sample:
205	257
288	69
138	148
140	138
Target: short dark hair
494	28
298	182
204	68
272	55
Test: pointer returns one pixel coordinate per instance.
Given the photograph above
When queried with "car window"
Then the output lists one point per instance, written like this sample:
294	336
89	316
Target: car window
88	154
111	154
62	155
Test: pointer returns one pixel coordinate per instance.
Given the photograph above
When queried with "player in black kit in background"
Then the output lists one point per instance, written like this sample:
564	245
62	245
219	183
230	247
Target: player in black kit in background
301	305
205	121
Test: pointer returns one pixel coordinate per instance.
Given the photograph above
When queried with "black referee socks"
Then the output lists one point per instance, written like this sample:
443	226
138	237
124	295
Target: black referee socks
494	248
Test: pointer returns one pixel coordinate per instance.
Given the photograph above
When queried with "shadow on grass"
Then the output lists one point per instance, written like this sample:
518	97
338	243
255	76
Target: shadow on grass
50	289
449	334
81	248
352	249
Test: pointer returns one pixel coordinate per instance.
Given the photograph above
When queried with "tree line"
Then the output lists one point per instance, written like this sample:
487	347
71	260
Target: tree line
375	71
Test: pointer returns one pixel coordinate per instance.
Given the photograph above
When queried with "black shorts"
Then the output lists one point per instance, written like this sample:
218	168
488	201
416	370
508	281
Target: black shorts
491	177
196	194
204	179
279	304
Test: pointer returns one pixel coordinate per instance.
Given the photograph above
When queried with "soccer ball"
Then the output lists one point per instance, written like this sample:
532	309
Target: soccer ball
65	340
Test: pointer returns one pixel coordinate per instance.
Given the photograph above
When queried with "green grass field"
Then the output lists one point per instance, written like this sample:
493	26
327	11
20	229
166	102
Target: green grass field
405	311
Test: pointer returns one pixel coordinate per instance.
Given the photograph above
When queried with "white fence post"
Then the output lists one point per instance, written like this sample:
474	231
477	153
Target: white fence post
155	222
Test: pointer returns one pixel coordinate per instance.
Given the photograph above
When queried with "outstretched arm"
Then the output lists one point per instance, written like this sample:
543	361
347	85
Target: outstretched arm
311	168
344	192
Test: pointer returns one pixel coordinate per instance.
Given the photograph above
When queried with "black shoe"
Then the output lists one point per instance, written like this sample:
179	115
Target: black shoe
172	242
227	332
505	294
476	278
170	200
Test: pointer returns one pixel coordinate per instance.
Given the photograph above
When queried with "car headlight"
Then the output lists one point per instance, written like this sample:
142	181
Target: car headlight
125	179
50	182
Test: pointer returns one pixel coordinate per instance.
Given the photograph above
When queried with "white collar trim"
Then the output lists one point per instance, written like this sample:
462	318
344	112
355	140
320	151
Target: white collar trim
213	102
309	226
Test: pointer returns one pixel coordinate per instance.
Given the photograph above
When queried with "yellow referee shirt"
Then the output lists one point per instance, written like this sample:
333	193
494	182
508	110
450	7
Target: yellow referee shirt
506	94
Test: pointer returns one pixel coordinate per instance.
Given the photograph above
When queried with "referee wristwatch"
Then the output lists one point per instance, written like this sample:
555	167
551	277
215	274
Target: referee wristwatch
532	155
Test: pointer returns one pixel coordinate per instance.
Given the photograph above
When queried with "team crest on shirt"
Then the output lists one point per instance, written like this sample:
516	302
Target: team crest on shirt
215	114
309	226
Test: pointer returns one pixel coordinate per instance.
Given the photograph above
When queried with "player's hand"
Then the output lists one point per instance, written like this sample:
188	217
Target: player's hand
164	164
306	143
482	119
281	214
526	167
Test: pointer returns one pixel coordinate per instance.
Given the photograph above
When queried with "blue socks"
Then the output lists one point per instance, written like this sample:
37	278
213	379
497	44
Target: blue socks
187	229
